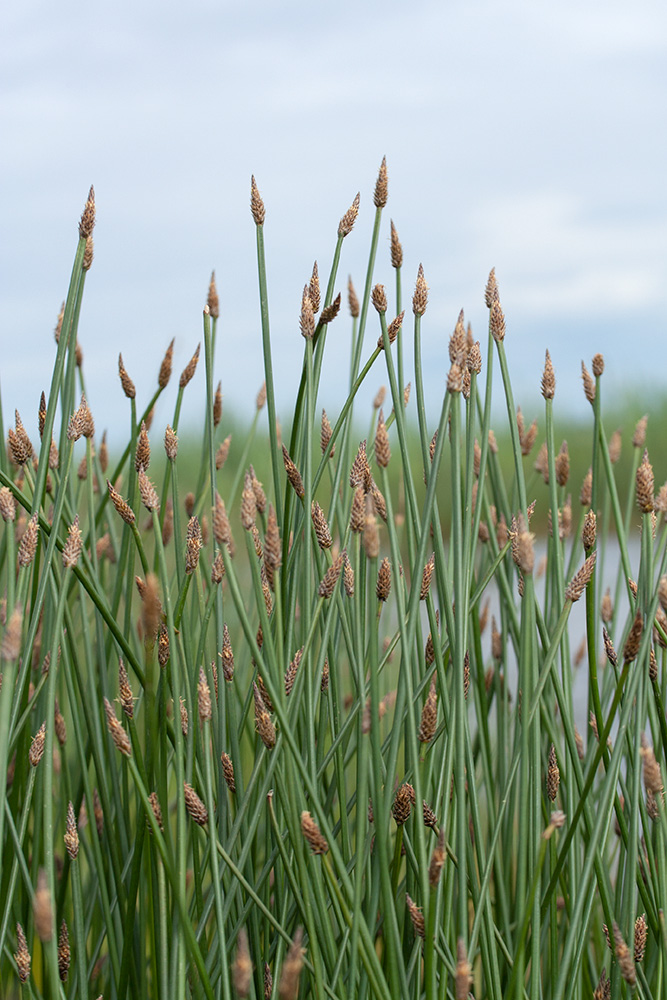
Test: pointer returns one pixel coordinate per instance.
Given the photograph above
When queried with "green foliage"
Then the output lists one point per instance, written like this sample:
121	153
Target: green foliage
323	734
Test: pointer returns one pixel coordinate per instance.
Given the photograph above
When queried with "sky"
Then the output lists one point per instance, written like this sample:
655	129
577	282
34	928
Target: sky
523	136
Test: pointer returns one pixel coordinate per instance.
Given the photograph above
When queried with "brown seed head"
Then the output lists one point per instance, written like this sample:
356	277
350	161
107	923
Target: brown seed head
307	317
553	774
228	771
641	934
256	204
59	725
122	507
293	475
463	971
330	578
41	908
314	289
430	819
652	774
242	965
645	485
454	379
149	497
382	450
379	298
609	647
189	370
371	537
330	312
272	546
165	368
28	544
458	347
420	297
313	834
222	452
7	504
357	511
222	531
346	224
263	724
383	585
325	435
71	837
491	290
292	670
497	321
563	465
36	751
10	647
396	248
118	734
603	988
633	640
322	533
203	698
212	300
474	359
73	546
352	300
194	805
581	578
393	331
548	378
586	493
157	811
288	987
416	916
348	577
87	221
623	957
437	860
427	576
125	380
589	531
248	509
170	443
403	801
63	952
381	192
615	447
598	365
360	473
429	716
589	384
639	436
22	955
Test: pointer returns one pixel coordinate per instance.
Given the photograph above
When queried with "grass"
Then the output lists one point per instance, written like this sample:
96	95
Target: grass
319	736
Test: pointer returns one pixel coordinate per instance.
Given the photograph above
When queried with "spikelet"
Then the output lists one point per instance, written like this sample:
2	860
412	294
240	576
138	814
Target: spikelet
581	578
645	485
87	221
379	298
228	771
651	768
41	908
429	715
371	536
382	450
194	805
416	916
242	965
548	378
222	453
292	670
346	224
393	331
203	698
430	819
437	861
188	372
263	723
73	546
256	204
383	585
222	531
553	775
122	506
7	504
59	725
64	954
589	531
321	528
325	435
352	300
293	475
563	465
360	473
463	971
381	192
118	734
307	316
71	836
420	297
10	647
403	801
312	834
126	382
633	640
589	384
288	986
28	544
22	955
36	751
330	578
623	957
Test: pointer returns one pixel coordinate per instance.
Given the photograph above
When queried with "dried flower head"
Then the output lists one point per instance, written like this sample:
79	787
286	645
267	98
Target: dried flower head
242	965
228	771
589	531
589	384
632	643
203	698
645	485
330	578
403	802
581	578
87	221
429	715
10	647
330	312
383	585
563	465
553	774
598	365
292	670
307	316
396	248
188	372
420	297
73	546
586	493
194	805
346	224
122	506
651	767
28	543
263	723
118	734
322	532
36	751
379	298
312	834
371	536
437	860
463	971
497	321
491	290
42	909
623	957
641	934
126	382
288	986
381	192
325	435
22	955
256	204
352	300
293	475
548	378
416	916
64	954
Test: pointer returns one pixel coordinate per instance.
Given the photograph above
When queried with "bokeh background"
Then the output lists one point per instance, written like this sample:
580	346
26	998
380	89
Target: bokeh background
522	135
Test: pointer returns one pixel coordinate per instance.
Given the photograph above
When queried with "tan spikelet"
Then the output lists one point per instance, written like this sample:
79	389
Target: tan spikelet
126	382
194	805
263	723
553	774
242	965
548	378
228	771
41	908
581	579
307	316
325	435
463	971
633	640
64	953
322	533
330	578
122	506
589	384
429	715
28	544
288	986
416	916
71	837
645	485
346	224
623	957
420	296
383	585
118	734
292	671
497	321
381	192
352	300
22	955
641	934
371	536
312	834
293	475
382	450
379	298
164	373
256	204
36	751
188	372
10	647
437	860
87	221
402	804
203	698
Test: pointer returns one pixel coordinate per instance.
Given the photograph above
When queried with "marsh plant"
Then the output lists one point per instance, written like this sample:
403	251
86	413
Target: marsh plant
317	735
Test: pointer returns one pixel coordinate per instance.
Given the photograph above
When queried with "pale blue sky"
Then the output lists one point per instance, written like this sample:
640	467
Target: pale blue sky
521	135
